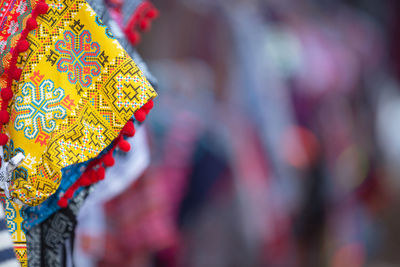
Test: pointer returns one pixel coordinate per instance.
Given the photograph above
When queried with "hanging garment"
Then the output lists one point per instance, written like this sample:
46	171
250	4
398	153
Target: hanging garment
37	214
70	174
74	89
77	89
7	256
51	242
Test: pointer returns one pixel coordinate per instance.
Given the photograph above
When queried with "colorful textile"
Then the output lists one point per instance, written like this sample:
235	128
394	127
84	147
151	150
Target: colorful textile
37	214
13	213
77	89
13	15
104	10
7	256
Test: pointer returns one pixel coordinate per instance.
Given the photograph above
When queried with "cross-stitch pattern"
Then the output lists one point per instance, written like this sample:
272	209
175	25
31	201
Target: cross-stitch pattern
38	107
78	56
85	88
14	215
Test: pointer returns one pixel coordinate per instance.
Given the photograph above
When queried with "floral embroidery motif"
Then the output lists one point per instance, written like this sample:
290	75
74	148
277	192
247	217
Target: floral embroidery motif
37	108
78	57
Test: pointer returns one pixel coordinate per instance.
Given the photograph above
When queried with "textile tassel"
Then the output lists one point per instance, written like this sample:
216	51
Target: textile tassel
140	114
62	202
108	160
4	116
124	145
141	20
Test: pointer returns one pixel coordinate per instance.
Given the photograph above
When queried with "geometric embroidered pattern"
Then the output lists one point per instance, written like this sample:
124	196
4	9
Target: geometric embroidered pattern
127	88
107	30
90	133
14	216
78	57
84	88
37	108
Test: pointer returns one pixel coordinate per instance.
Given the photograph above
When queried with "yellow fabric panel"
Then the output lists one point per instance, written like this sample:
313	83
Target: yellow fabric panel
77	90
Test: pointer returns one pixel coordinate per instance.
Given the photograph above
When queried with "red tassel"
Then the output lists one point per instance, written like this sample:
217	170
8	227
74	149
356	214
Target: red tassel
144	25
6	94
63	202
149	105
152	13
133	36
31	24
23	45
140	115
4	105
85	180
124	145
42	7
16	73
3	139
129	129
4	116
108	160
101	173
69	193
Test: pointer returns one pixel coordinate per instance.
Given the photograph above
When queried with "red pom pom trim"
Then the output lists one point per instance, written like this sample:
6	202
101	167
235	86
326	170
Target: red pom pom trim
23	45
129	129
16	73
140	115
140	20
31	24
3	139
152	13
101	173
95	171
109	160
133	37
85	180
124	145
6	94
149	105
144	25
4	116
63	202
69	193
42	8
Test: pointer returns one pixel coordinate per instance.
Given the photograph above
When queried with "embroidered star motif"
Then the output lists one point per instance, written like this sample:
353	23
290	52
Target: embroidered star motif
7	168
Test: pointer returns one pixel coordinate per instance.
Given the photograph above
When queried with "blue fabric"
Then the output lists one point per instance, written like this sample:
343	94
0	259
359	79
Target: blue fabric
70	174
6	255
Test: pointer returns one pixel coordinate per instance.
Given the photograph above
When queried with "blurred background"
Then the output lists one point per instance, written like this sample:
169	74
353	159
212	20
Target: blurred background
274	140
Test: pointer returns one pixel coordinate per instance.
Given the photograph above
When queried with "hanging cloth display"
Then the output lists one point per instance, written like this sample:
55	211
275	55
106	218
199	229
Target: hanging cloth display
67	90
77	89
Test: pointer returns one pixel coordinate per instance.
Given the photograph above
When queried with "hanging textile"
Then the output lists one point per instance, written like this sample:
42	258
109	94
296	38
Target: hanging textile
77	89
51	242
68	89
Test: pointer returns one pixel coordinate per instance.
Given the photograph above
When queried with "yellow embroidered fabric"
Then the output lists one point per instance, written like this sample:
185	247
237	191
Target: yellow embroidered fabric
77	90
14	217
